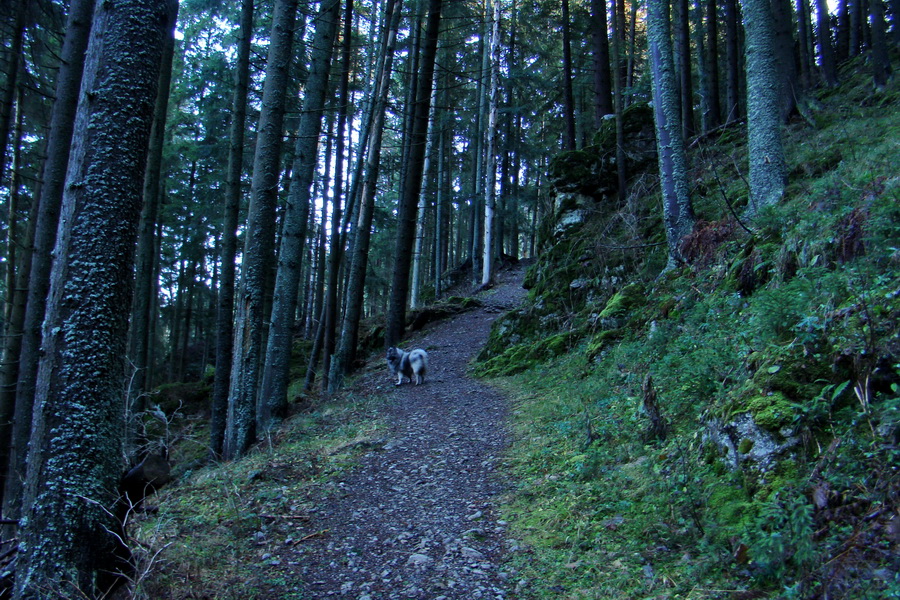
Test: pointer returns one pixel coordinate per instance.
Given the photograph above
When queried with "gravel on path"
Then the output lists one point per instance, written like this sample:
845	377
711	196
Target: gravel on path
418	517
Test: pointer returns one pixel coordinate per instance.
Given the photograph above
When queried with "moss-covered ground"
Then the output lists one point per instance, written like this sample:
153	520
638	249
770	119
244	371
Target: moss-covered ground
775	363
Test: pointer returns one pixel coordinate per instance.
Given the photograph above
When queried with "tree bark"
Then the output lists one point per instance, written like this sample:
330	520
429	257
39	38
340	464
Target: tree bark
805	42
618	96
259	244
683	61
336	255
419	246
826	48
490	171
768	171
273	395
346	354
69	544
714	104
139	341
8	100
732	62
568	100
20	364
225	303
881	63
784	53
413	184
602	77
677	210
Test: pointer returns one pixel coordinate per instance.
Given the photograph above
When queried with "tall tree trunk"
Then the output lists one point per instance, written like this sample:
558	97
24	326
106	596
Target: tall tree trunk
336	255
826	48
683	61
71	541
732	62
225	307
140	312
13	238
273	395
490	171
20	363
805	42
618	95
8	100
568	101
714	104
260	238
602	77
677	211
419	263
346	354
768	172
14	300
409	198
857	24
477	178
784	52
881	63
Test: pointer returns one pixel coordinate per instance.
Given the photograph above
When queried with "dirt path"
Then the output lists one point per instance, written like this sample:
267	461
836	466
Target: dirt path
417	519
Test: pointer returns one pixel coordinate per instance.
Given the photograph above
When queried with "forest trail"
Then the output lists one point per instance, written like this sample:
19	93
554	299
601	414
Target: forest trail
417	518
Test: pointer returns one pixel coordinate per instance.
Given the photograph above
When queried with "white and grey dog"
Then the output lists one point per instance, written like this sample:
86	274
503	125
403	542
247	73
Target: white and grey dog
408	364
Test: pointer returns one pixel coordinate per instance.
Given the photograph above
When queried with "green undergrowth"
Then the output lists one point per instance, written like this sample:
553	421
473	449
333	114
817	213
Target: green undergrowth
730	429
219	528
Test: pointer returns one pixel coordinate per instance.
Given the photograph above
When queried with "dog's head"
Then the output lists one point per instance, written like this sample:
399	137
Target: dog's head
393	358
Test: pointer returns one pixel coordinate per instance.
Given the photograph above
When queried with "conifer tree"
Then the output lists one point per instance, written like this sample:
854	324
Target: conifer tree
768	170
71	543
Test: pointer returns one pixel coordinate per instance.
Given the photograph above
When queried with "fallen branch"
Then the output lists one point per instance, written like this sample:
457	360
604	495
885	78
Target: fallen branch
311	536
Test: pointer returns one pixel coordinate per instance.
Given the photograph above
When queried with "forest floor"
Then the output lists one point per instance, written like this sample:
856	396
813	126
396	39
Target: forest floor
418	516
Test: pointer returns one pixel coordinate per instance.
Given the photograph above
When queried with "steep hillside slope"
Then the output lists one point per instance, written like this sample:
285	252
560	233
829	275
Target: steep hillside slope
728	429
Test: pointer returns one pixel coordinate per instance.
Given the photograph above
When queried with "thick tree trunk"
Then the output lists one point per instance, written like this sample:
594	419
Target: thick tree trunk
568	99
768	172
784	53
139	341
805	44
259	245
683	56
225	307
259	248
336	254
714	104
881	63
20	364
677	211
413	184
826	48
273	395
490	171
346	354
602	77
70	547
8	100
618	95
732	62
419	247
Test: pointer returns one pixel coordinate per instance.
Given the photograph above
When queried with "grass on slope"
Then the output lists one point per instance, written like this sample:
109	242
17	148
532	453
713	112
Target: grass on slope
783	344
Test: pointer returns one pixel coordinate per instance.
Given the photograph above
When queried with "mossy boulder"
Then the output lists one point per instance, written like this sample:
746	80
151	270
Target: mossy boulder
771	411
420	317
622	303
588	172
602	341
509	330
640	137
190	397
522	357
